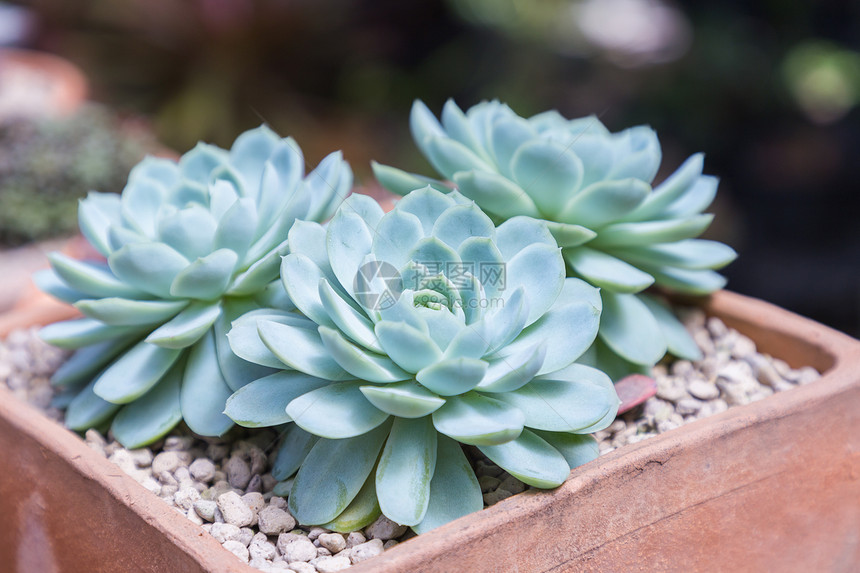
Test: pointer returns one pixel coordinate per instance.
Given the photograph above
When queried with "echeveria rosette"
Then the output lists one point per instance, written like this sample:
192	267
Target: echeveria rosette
190	246
593	188
383	395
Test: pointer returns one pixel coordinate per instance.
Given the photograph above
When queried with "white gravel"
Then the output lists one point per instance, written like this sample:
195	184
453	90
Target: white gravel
224	485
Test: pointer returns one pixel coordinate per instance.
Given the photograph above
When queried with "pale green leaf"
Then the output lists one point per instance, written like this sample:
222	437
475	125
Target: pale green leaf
454	489
332	475
630	329
135	372
405	469
478	420
405	399
336	411
204	391
151	416
606	271
187	327
530	459
264	402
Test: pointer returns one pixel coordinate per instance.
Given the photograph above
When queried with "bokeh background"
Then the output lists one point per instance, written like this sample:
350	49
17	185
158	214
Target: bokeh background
769	90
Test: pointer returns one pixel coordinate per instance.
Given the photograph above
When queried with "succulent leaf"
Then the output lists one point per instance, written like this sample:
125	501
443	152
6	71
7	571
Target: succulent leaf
577	449
264	402
204	390
530	459
478	420
88	410
405	469
88	361
135	372
332	475
130	312
536	398
401	182
361	511
187	327
405	399
631	330
336	411
74	334
154	414
677	339
294	446
607	271
454	489
50	283
359	362
90	278
299	348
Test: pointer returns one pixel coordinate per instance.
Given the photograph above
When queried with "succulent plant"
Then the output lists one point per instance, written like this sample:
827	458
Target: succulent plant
594	190
190	246
421	330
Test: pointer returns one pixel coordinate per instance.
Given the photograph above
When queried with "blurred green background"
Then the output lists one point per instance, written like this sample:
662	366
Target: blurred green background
768	90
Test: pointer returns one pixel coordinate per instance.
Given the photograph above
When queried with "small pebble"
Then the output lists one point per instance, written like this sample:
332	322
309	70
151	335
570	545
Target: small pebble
255	484
273	520
365	551
186	497
355	538
237	549
384	529
142	457
297	549
495	497
255	501
279	502
688	406
331	564
178	443
703	390
191	514
165	462
302	567
217	452
235	511
202	469
238	472
807	375
245	535
512	485
223	531
315	532
262	549
334	542
206	509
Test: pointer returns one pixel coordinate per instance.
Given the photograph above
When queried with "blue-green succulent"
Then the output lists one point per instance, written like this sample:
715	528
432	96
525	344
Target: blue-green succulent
422	330
594	190
190	246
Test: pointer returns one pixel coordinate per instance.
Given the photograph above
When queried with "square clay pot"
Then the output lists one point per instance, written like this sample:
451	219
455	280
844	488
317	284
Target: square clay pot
770	486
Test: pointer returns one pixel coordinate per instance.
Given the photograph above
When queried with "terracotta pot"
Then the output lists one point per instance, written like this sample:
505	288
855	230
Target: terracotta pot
36	84
773	485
